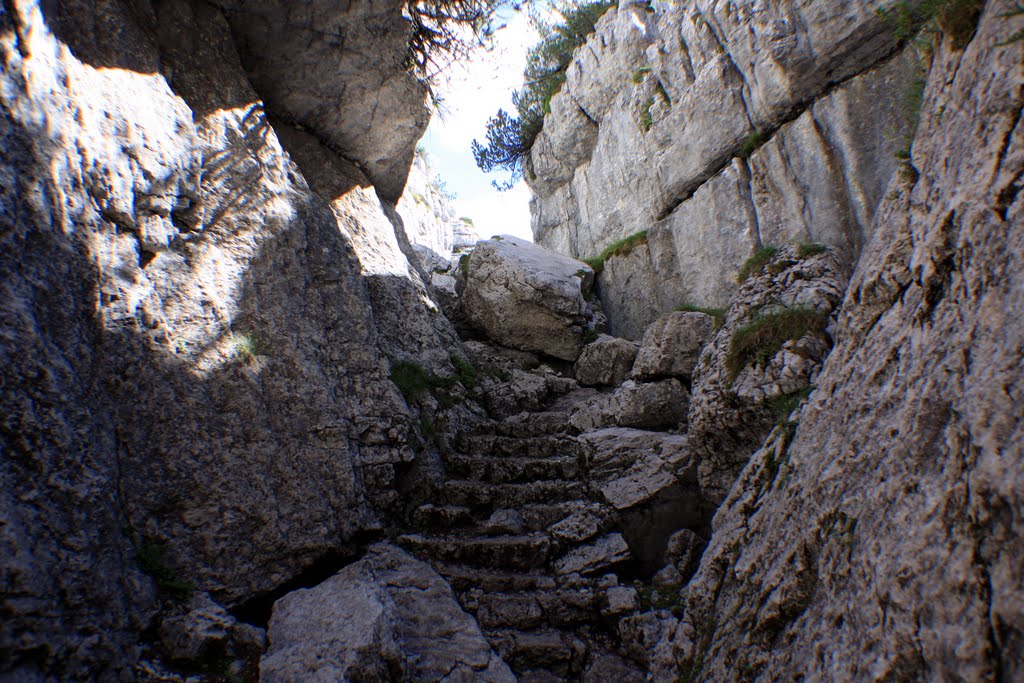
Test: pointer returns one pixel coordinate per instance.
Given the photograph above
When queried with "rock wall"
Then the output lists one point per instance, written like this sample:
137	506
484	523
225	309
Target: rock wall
197	299
882	540
717	128
427	213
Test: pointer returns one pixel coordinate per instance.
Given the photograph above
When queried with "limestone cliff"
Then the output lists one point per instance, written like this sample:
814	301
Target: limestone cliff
882	540
715	128
876	534
201	274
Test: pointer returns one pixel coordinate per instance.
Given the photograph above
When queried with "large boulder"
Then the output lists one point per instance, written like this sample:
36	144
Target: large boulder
524	296
387	617
672	345
646	405
606	361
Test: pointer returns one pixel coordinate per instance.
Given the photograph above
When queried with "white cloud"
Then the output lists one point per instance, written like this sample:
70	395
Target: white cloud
499	213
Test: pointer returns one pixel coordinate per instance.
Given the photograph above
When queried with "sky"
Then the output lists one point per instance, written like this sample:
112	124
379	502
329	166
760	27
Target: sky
474	93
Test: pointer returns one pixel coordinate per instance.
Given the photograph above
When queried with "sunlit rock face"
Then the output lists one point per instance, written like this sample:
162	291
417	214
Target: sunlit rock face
339	71
717	128
881	539
192	327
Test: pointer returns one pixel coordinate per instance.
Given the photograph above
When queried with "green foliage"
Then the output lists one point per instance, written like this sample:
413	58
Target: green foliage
756	138
755	264
646	119
244	346
618	248
467	220
445	32
413	380
783	405
590	335
717	313
958	19
638	75
510	137
464	265
808	249
758	341
428	429
152	559
465	372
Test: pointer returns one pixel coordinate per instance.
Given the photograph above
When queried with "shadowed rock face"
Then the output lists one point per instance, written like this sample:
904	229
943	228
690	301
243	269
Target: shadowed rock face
191	368
338	70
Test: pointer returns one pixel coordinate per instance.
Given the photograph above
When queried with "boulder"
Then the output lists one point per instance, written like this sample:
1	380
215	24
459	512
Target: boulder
524	296
385	617
629	466
672	345
606	361
594	557
643	405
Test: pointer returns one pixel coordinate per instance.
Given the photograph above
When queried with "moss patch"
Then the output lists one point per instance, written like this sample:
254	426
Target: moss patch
756	263
758	341
717	313
152	559
619	248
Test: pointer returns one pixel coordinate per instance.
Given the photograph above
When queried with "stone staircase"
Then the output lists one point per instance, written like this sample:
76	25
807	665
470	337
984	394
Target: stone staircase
528	550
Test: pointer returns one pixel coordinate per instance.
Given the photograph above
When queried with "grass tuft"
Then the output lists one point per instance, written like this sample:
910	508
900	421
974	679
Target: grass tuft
756	263
618	248
756	138
783	405
717	313
758	341
808	249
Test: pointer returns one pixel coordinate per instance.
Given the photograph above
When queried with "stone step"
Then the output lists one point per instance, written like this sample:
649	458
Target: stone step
530	424
506	470
539	651
541	516
440	518
476	495
518	553
465	577
516	447
561	607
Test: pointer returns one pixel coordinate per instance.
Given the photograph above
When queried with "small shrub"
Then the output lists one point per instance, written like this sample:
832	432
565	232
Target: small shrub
464	265
152	559
808	249
429	431
758	341
467	220
465	372
618	248
412	379
244	346
590	336
717	313
756	138
756	263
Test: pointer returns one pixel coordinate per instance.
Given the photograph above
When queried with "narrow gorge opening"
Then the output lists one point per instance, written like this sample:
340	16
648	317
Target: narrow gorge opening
303	395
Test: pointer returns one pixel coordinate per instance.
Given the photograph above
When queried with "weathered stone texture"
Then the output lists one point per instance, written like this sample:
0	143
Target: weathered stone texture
190	350
883	540
524	296
388	617
677	100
